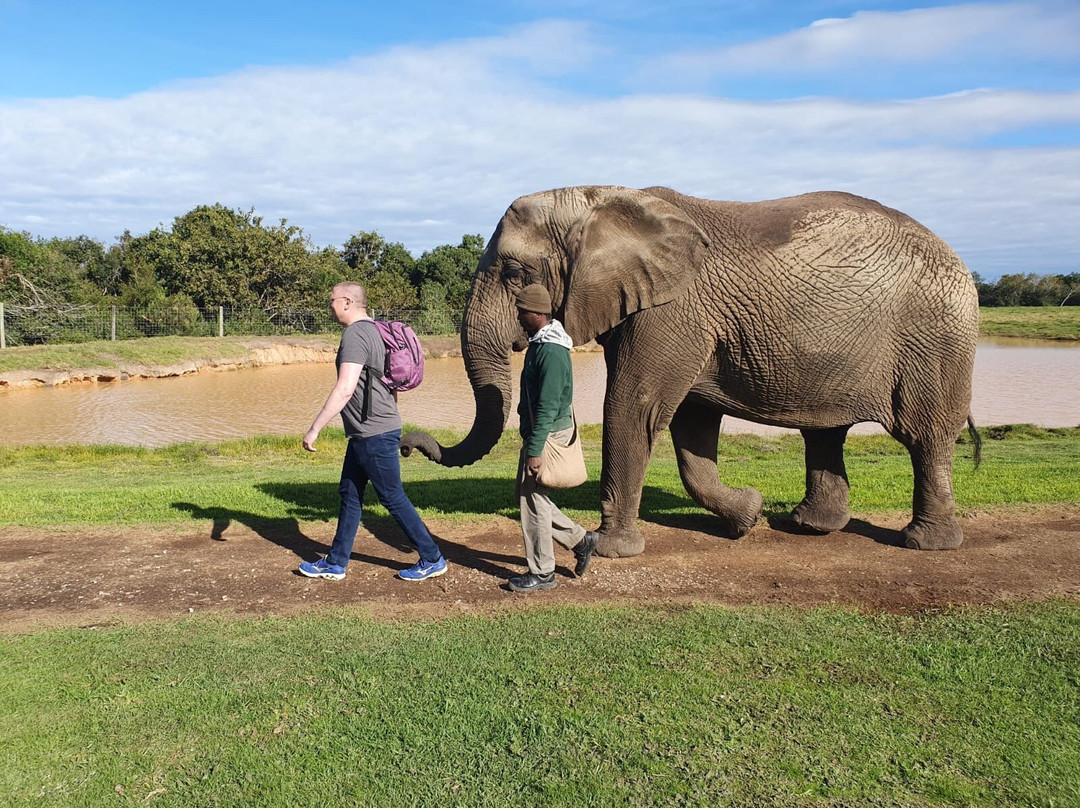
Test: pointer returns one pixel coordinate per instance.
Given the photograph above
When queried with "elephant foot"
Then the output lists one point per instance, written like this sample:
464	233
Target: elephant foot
621	543
820	518
944	535
742	509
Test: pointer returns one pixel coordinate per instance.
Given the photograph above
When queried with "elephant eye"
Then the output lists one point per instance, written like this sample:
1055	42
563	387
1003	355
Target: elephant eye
511	271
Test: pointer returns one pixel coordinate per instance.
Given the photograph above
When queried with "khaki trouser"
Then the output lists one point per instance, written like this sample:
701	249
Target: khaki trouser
542	523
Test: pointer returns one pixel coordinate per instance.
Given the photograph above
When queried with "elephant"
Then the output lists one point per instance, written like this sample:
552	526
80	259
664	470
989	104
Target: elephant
814	312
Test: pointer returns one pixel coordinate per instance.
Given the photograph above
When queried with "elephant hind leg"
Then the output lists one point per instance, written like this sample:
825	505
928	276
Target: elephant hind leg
824	508
695	430
933	525
930	405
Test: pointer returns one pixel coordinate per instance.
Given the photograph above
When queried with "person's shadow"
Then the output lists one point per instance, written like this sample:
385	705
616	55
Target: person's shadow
319	501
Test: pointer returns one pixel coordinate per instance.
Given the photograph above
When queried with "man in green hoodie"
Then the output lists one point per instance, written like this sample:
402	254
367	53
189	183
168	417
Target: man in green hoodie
547	391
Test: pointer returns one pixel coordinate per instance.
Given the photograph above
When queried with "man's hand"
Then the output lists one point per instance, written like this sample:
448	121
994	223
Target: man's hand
311	436
532	466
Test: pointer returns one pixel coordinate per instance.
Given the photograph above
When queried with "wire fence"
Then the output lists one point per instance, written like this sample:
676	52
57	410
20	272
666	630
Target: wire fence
41	325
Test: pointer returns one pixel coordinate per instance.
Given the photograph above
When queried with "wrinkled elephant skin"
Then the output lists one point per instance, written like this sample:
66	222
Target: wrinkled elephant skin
813	312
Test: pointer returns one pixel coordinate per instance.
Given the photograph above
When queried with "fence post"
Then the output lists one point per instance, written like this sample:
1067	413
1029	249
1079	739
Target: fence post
3	339
221	321
112	329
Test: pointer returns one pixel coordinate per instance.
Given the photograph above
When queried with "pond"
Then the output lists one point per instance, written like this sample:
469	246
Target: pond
1016	381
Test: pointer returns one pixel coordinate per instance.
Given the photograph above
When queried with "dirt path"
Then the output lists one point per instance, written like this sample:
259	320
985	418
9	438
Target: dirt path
108	576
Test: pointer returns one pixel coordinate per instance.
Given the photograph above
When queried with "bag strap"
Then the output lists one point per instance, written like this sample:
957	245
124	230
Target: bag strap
366	409
528	405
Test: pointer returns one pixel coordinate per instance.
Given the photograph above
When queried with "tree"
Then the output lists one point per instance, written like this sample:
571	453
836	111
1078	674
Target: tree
222	257
451	268
987	291
39	272
1050	290
1018	290
115	270
44	283
87	258
1071	284
382	268
437	317
1029	290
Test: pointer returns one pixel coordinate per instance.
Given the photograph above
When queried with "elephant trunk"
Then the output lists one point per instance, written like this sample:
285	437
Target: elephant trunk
487	361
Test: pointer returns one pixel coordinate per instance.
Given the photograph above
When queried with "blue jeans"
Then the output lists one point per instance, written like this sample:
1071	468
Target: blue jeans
376	459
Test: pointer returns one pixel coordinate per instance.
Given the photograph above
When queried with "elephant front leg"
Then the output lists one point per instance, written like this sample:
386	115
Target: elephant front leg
633	417
695	430
825	506
647	381
621	478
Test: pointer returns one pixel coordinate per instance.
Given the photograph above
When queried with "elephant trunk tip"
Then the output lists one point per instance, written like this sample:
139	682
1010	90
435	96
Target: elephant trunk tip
463	454
422	442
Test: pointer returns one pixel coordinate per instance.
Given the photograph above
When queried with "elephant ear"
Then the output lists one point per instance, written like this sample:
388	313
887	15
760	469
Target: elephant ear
629	252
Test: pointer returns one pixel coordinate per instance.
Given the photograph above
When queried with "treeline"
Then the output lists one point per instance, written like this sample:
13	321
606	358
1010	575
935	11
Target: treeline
1030	290
216	256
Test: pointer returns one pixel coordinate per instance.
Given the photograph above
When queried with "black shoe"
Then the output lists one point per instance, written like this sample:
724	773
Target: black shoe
529	582
583	551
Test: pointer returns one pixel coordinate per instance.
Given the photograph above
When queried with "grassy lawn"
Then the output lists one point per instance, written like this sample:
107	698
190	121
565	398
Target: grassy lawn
1039	322
271	478
570	706
602	706
597	707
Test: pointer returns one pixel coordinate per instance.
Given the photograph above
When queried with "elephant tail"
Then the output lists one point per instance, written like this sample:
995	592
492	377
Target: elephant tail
976	440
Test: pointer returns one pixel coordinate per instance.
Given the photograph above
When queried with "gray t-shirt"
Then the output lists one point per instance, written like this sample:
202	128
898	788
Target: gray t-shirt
362	344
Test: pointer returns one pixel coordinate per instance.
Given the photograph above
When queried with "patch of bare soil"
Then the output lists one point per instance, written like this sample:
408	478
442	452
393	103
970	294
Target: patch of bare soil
107	576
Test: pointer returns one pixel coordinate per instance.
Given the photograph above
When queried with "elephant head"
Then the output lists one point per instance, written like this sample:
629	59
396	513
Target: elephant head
602	252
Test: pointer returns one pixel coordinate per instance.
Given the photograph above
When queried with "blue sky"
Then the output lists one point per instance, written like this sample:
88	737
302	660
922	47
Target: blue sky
425	120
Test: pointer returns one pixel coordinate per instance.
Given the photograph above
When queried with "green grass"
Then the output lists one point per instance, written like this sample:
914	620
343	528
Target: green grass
1038	322
600	707
272	478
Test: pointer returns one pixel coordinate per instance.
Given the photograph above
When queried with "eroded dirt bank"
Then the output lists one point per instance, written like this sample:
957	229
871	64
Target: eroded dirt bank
105	576
251	353
256	352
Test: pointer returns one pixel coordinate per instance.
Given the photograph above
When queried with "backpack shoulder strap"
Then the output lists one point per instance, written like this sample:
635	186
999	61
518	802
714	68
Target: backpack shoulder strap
368	375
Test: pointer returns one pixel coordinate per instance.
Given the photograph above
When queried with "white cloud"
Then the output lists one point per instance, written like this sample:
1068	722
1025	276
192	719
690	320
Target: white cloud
950	34
425	145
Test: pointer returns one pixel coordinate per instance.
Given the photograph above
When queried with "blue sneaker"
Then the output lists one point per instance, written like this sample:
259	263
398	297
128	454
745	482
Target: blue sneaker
322	569
423	570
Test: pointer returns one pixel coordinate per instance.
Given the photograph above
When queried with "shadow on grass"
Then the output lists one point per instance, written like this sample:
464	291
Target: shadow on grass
880	535
660	507
310	502
780	521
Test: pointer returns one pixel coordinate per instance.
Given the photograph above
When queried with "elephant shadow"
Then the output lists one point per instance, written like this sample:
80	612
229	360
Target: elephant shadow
662	508
878	535
780	521
658	506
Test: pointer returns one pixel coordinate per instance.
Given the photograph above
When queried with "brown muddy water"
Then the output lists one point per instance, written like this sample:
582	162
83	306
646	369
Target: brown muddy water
1016	381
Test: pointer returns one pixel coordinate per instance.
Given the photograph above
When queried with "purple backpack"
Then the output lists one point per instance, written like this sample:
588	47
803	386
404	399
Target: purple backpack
404	368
